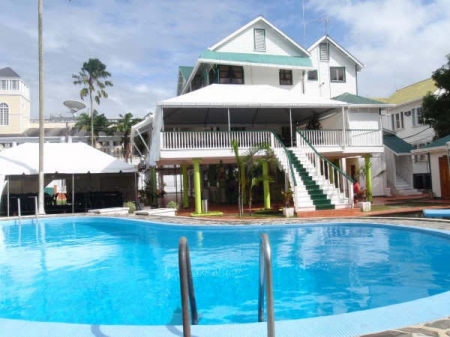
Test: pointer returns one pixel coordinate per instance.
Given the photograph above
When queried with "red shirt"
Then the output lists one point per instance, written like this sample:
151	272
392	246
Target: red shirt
356	188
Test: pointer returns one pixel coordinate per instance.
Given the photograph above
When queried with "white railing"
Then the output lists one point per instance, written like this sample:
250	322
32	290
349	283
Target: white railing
333	138
212	139
283	157
328	170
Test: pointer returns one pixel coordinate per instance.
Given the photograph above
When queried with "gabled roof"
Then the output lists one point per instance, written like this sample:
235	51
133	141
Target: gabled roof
8	72
185	71
412	92
255	59
251	23
438	145
397	145
326	38
360	101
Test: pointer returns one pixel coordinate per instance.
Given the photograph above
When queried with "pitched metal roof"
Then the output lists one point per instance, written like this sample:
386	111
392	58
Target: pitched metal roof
326	38
438	143
412	92
354	99
397	145
8	72
186	71
259	59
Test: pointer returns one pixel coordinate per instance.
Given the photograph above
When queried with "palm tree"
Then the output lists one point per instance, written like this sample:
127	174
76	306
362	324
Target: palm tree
90	78
99	123
124	125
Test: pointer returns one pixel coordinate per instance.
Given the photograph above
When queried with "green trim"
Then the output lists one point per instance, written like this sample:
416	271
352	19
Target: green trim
261	59
354	99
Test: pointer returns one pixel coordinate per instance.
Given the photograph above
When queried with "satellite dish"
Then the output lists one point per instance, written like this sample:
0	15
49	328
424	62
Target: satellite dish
74	105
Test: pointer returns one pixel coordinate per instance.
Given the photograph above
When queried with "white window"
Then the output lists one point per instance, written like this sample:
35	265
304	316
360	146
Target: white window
420	157
260	39
3	85
324	49
14	85
312	75
4	114
337	74
417	116
397	121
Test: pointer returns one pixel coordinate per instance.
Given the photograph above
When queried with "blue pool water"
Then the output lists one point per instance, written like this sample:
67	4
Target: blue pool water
116	271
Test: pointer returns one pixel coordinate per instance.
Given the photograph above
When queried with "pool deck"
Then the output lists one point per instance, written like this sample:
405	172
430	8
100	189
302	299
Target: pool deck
428	317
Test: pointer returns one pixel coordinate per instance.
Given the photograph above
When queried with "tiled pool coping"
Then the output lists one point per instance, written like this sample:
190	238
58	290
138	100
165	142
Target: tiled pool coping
342	325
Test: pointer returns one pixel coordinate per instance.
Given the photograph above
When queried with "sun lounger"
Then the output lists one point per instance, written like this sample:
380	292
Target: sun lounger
436	213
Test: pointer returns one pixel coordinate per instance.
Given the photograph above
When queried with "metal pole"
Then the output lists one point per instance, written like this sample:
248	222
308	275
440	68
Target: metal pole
41	111
73	193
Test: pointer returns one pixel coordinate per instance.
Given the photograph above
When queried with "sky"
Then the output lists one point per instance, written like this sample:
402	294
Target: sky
143	42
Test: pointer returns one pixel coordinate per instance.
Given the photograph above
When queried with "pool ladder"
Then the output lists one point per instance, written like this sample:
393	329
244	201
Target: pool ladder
187	287
265	286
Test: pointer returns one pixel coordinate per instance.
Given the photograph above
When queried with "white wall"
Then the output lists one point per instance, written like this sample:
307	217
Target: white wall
275	43
364	119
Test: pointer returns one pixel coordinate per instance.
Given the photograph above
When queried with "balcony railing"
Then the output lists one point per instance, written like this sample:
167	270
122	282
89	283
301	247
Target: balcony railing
340	138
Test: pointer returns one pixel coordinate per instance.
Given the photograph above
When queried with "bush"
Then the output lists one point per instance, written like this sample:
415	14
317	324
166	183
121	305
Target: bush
131	206
172	204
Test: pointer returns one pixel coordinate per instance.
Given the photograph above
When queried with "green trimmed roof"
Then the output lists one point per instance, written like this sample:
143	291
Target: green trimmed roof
185	71
437	143
412	92
354	99
281	60
397	144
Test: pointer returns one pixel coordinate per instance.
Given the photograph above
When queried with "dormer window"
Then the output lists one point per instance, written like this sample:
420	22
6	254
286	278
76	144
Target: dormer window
259	35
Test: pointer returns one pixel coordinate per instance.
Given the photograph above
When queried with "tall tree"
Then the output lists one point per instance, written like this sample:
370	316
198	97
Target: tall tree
436	108
124	125
90	77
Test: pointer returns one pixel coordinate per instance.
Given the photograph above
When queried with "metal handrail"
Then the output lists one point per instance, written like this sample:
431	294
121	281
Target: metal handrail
265	281
186	287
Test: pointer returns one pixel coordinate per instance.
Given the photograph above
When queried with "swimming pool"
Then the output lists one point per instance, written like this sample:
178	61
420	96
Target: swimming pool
114	271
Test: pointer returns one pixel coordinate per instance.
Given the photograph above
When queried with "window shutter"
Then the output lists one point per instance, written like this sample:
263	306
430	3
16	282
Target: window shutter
393	121
260	39
324	52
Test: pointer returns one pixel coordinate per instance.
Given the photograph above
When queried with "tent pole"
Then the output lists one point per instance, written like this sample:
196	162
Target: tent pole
73	193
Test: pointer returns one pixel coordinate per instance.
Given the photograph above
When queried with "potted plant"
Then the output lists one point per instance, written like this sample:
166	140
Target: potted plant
288	211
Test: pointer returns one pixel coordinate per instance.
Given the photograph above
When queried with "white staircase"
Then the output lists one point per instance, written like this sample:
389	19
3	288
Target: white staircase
403	188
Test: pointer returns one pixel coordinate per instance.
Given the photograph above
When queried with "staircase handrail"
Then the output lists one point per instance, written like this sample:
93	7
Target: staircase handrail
265	283
349	180
277	141
187	287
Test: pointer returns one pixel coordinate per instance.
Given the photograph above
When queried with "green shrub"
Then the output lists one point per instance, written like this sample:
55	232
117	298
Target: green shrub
172	204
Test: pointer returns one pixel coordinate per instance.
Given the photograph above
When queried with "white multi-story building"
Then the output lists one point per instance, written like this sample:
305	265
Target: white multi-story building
258	85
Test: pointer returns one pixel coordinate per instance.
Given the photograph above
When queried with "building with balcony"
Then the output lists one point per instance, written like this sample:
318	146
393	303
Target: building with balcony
257	86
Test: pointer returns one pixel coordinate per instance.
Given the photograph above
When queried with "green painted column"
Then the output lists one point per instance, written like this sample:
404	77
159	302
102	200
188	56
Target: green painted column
368	177
197	186
185	186
265	169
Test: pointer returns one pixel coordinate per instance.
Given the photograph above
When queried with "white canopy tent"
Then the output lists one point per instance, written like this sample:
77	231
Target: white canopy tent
60	160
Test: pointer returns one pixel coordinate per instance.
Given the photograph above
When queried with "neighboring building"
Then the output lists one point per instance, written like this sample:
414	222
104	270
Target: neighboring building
405	120
14	103
438	153
258	85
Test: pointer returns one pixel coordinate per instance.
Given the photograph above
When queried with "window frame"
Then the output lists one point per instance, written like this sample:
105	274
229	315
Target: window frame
259	38
231	72
4	114
313	72
336	70
285	77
